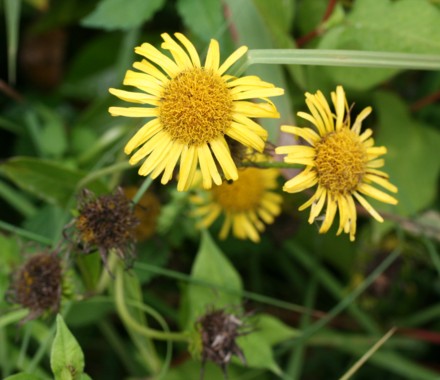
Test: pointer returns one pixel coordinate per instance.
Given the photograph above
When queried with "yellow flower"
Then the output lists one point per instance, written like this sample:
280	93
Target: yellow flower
246	204
194	108
340	160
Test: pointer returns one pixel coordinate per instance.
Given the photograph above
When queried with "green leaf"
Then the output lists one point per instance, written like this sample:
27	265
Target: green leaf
412	159
211	266
273	330
258	352
408	26
23	376
46	179
67	358
117	14
203	17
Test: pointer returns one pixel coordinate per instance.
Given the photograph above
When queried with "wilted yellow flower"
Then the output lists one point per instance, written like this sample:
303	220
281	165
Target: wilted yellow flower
340	160
247	204
193	107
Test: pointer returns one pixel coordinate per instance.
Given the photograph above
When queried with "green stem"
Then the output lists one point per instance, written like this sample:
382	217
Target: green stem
132	323
12	317
119	166
246	294
26	234
141	191
106	274
351	58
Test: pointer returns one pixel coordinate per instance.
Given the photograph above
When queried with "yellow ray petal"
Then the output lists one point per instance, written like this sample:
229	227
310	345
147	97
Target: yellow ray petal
152	70
142	135
180	56
188	165
223	156
175	153
234	57
368	207
329	215
377	194
245	137
190	48
133	111
213	57
135	97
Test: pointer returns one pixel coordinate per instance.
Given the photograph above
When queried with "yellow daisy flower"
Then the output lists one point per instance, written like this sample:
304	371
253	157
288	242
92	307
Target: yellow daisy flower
247	204
193	107
341	161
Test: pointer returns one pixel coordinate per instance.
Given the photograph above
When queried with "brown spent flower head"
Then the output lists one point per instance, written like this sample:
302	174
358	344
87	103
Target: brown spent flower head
106	222
219	331
37	285
147	211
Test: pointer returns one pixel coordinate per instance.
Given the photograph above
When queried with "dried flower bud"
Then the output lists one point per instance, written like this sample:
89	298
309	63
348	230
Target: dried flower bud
106	222
37	285
219	331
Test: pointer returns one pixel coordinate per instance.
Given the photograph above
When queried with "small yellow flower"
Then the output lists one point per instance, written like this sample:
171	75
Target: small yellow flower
193	107
340	160
247	203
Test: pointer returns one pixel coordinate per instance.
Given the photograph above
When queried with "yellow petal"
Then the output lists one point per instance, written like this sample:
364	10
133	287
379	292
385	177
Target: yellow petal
234	57
213	57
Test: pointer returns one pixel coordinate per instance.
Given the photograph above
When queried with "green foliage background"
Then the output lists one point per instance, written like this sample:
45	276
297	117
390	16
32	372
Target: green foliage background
318	302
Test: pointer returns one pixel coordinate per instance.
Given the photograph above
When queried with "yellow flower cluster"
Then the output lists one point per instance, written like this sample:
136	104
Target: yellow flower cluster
199	114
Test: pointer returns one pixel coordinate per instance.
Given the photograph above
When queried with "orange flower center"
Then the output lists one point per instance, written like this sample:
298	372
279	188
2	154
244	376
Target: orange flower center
244	194
340	161
196	107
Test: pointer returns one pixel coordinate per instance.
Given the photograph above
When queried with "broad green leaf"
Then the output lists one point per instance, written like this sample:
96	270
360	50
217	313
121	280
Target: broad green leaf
67	358
412	158
258	352
46	179
88	311
253	32
118	14
409	26
273	330
257	346
309	15
211	266
23	376
277	12
202	17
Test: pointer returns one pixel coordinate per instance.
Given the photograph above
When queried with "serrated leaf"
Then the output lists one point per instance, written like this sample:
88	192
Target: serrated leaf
46	179
213	267
408	26
67	358
117	14
412	158
202	17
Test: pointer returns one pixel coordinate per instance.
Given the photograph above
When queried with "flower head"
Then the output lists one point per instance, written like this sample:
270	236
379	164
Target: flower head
218	332
106	222
247	204
193	107
37	285
340	160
